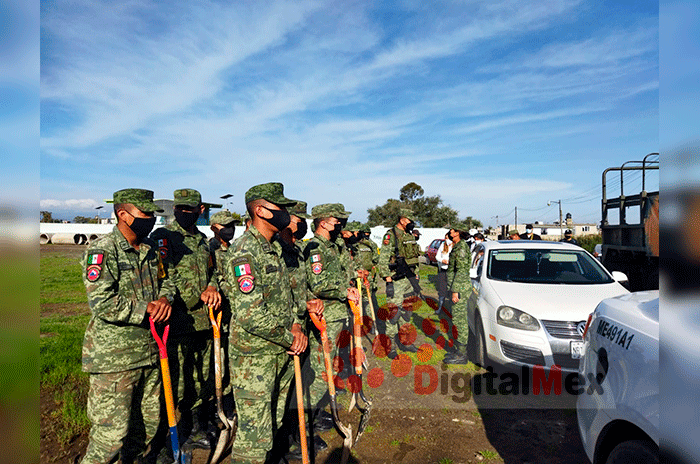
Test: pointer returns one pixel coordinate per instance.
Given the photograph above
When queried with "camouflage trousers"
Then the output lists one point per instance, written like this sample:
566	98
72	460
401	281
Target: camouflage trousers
459	328
192	368
124	409
315	368
402	290
260	388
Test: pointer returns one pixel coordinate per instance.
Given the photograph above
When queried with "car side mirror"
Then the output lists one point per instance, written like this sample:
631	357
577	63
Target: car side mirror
472	273
620	277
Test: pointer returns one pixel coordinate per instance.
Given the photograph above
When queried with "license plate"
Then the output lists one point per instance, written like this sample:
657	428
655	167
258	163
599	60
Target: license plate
577	350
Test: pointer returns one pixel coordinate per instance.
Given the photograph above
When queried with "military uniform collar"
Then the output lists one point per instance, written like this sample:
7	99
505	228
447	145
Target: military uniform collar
124	243
176	227
266	246
324	240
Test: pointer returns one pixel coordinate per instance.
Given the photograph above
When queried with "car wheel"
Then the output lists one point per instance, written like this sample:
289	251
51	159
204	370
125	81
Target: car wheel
633	451
480	345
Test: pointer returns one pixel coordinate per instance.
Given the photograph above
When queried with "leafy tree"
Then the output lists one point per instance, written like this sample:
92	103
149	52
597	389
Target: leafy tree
429	211
85	220
47	216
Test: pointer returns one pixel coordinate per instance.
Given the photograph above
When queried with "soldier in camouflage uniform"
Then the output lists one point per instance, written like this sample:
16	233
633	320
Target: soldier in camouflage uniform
366	258
265	327
398	261
190	265
223	224
459	286
124	288
329	275
293	254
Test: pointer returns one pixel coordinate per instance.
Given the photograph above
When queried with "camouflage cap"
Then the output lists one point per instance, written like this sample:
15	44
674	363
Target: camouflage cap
365	228
299	210
458	226
186	197
141	198
335	210
353	226
406	212
222	217
271	191
343	214
512	232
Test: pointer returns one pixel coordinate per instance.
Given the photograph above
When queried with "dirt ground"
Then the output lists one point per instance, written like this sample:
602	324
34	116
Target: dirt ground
445	426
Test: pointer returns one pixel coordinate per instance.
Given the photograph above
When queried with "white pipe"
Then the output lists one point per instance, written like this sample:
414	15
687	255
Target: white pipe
67	239
44	239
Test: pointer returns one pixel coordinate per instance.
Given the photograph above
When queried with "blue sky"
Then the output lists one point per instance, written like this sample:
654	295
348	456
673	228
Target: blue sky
491	105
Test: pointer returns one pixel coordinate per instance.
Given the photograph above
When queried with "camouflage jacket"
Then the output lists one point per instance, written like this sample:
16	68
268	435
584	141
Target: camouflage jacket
120	282
366	256
219	255
346	258
260	293
328	276
190	265
294	259
458	270
389	249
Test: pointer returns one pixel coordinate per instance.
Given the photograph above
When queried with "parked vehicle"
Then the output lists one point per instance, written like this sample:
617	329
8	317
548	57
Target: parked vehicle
531	301
619	419
632	245
432	249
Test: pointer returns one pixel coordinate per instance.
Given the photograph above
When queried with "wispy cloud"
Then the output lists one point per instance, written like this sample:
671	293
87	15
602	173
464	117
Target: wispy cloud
72	204
323	94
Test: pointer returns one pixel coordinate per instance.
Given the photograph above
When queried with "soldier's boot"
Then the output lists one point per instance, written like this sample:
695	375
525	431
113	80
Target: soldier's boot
441	301
458	356
323	421
199	437
319	444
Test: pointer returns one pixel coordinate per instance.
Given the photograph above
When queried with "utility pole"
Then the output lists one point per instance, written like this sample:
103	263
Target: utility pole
561	230
516	217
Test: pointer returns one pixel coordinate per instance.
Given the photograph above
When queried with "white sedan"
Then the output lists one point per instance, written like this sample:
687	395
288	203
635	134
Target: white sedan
531	301
619	418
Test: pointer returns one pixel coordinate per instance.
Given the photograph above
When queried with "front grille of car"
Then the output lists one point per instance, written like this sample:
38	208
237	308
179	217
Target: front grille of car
565	361
563	329
522	354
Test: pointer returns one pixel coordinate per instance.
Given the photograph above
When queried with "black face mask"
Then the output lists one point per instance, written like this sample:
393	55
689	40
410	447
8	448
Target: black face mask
186	219
141	227
302	228
409	227
280	218
352	240
226	233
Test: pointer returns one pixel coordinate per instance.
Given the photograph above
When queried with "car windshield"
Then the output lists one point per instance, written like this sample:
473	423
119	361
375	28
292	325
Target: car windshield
545	266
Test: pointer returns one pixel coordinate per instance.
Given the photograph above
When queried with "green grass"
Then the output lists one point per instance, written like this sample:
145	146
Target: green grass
60	345
369	429
476	414
489	455
445	461
395	442
61	281
60	371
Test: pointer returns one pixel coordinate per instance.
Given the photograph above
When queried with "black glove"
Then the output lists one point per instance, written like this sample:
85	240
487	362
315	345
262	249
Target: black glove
390	289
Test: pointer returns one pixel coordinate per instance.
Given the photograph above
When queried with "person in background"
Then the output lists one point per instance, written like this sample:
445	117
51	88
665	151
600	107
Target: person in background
442	258
568	237
513	235
529	235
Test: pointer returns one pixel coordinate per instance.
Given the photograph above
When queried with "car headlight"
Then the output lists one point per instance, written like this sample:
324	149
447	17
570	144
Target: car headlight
511	317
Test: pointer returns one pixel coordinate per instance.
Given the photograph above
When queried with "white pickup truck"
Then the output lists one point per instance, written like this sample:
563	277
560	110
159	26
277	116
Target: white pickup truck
618	414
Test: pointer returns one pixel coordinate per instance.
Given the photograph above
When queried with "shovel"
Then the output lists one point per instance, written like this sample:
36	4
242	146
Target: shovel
358	361
225	426
344	430
371	304
167	387
300	408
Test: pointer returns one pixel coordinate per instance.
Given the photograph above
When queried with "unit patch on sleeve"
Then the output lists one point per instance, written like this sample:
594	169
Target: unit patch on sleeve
387	238
315	258
163	247
316	268
246	283
93	272
95	258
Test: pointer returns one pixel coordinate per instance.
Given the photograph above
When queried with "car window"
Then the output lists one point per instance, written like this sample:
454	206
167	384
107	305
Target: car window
435	243
546	266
